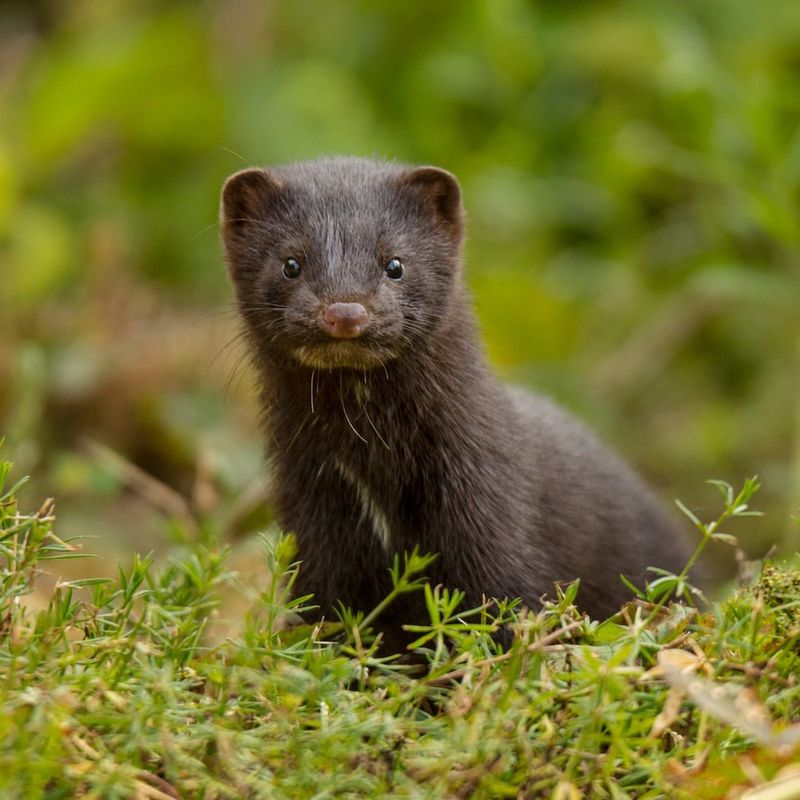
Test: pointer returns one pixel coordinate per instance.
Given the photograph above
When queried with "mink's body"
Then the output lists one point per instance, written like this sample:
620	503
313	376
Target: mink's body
385	427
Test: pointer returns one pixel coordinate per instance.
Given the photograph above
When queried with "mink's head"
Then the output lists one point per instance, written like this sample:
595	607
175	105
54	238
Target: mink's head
343	262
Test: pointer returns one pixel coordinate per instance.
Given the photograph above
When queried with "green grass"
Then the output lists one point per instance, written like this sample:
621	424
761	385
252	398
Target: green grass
116	689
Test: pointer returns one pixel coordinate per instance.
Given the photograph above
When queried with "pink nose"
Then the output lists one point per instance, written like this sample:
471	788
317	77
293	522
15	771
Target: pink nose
345	320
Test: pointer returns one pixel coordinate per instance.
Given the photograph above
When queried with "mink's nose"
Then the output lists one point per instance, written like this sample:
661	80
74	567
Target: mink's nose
345	320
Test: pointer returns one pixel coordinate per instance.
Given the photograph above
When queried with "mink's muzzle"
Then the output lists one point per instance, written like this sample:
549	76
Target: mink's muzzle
325	335
330	333
344	320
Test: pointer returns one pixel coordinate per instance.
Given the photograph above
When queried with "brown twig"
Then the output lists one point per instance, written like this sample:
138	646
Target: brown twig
155	492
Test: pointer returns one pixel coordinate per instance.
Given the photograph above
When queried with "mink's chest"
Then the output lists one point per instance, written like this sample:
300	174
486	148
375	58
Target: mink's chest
372	452
398	506
369	421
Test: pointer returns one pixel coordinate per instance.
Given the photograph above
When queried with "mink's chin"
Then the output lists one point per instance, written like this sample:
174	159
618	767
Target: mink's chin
338	354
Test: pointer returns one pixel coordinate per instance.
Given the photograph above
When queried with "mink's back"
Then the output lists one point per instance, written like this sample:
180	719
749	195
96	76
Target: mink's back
598	519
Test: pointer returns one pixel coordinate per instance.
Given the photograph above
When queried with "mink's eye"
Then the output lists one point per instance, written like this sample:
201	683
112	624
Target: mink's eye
291	268
394	269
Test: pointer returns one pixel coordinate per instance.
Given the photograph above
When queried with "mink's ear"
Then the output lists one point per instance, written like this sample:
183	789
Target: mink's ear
247	197
440	193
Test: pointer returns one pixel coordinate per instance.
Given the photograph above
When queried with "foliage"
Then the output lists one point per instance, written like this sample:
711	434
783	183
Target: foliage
631	171
632	177
119	691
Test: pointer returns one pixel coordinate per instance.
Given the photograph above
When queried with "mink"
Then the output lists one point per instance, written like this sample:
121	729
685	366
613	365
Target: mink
385	427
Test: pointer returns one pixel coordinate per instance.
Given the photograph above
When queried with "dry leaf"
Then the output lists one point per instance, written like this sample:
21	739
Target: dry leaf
784	786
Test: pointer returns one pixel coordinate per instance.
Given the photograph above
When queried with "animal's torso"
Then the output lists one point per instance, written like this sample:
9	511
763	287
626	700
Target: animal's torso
386	429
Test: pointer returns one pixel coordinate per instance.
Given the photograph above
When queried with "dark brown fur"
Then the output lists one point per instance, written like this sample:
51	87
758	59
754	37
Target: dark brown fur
403	435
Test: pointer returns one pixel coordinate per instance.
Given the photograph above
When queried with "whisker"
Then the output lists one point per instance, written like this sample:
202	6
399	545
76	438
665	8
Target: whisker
372	425
220	312
263	306
341	400
233	153
205	230
297	432
236	373
239	337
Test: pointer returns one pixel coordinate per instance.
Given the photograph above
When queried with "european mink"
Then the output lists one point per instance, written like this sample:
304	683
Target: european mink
386	429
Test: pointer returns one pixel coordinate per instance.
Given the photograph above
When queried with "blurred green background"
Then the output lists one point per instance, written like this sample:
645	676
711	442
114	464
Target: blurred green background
632	177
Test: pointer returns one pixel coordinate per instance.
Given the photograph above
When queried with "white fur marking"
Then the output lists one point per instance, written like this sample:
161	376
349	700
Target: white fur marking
370	512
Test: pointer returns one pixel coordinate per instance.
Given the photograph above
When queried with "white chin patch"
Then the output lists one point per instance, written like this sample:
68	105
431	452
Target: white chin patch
341	354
